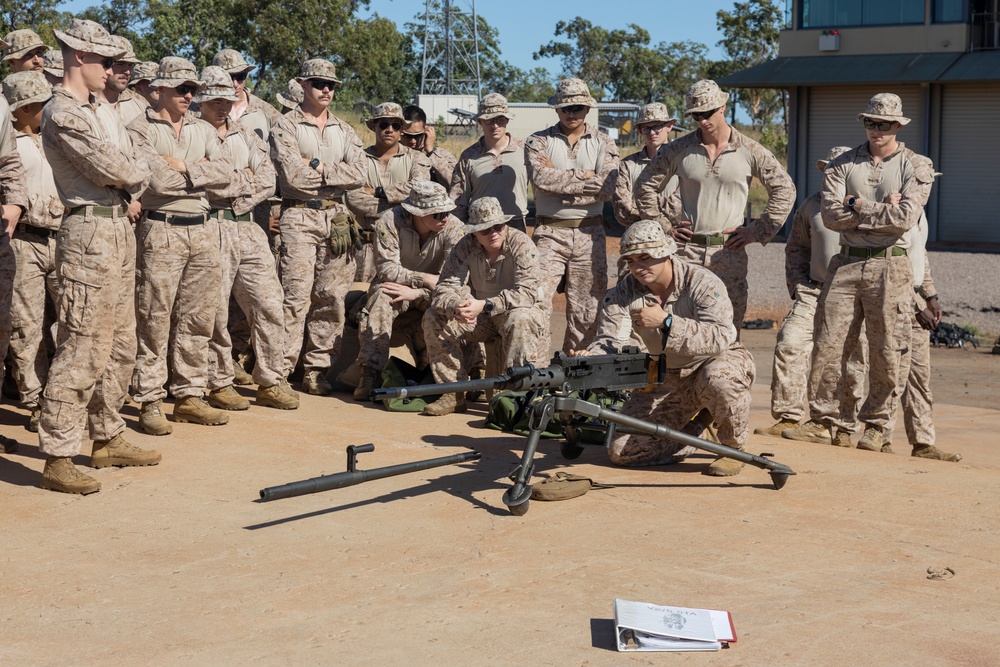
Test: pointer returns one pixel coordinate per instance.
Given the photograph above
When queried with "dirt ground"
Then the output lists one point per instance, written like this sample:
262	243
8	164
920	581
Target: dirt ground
180	565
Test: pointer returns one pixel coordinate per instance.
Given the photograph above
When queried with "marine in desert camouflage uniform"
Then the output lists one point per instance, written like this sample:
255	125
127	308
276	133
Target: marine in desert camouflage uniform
53	67
319	158
116	91
681	310
99	178
420	136
25	51
715	166
572	167
412	242
487	291
252	112
654	126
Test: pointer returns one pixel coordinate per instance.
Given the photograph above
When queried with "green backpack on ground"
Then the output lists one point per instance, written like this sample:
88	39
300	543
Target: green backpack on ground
398	373
509	413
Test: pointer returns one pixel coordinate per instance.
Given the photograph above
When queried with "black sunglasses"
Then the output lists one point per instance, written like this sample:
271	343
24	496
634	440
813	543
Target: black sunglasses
704	115
240	76
880	125
491	230
575	109
441	216
186	89
321	84
396	125
108	63
646	129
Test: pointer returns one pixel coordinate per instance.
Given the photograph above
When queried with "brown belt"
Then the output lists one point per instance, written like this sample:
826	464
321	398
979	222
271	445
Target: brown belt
101	211
315	204
573	224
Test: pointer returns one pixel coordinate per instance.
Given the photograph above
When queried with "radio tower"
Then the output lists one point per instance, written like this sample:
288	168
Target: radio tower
451	49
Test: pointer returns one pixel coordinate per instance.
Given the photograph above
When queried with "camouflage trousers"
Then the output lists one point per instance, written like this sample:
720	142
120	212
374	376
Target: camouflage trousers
315	284
720	385
730	266
35	286
364	258
8	271
382	323
517	330
249	276
580	255
96	336
793	354
176	302
917	402
878	292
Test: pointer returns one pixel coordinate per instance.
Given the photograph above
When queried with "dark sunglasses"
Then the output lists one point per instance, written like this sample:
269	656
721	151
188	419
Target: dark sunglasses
880	125
107	63
240	76
322	84
384	124
575	109
647	129
441	216
495	229
186	89
705	115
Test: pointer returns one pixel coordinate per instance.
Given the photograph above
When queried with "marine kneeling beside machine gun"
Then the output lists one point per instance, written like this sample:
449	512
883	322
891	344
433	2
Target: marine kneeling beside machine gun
549	396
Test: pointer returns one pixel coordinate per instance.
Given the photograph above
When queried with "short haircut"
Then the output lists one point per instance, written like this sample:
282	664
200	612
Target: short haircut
413	113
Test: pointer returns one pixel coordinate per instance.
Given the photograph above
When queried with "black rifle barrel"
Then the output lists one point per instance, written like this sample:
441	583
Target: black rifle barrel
350	478
512	379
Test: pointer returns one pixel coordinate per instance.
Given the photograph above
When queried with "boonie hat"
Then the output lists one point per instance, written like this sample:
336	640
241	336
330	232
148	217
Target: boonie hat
20	43
704	95
144	71
53	63
232	61
24	88
174	71
293	95
493	105
834	153
428	198
654	113
646	237
389	110
88	37
570	92
318	68
885	106
218	85
483	214
128	54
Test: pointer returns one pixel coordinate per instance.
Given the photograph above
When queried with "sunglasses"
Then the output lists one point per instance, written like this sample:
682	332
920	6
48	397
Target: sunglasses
107	63
880	125
322	84
705	115
240	77
573	110
414	135
649	129
186	89
384	124
441	217
495	229
499	120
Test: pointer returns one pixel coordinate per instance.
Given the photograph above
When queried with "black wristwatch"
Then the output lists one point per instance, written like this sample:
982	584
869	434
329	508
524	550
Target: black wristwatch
668	322
852	201
314	163
488	306
380	192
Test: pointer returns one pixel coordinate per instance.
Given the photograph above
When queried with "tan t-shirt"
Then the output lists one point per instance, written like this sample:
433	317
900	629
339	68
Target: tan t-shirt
257	117
45	210
395	178
809	248
253	179
482	174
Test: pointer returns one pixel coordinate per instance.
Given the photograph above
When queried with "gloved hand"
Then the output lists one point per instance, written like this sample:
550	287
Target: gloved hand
340	234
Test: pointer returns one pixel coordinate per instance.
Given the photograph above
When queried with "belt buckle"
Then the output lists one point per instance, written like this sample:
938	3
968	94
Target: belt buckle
314	204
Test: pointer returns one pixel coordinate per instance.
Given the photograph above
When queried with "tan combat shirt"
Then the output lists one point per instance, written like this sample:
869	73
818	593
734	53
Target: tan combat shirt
171	191
563	191
482	174
714	195
879	224
337	146
131	105
442	165
396	180
702	324
400	257
44	210
511	282
252	178
626	211
91	164
809	248
258	116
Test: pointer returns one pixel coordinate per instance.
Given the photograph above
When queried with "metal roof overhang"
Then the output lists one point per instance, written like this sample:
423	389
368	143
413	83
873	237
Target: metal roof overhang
975	66
842	70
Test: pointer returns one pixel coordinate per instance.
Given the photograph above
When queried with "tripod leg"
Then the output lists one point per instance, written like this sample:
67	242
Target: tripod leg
518	496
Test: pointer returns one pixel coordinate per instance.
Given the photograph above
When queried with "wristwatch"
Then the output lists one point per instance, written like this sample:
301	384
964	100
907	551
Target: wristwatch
314	163
852	201
668	321
488	306
380	192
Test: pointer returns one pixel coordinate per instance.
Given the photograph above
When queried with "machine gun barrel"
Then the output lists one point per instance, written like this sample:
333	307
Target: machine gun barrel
514	378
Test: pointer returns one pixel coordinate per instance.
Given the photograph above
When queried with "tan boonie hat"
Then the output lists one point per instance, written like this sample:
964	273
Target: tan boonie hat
654	113
24	88
483	214
20	43
885	106
88	37
570	92
144	71
428	198
646	237
232	61
53	62
493	105
128	54
834	153
293	95
387	110
174	71
704	95
218	85
317	68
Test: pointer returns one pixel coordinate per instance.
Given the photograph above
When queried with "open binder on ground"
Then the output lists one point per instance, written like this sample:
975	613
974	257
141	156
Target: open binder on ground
640	626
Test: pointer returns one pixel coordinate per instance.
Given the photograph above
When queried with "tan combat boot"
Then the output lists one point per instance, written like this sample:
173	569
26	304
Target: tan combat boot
288	388
119	452
932	452
369	380
779	426
843	439
227	398
871	441
315	382
152	421
61	475
194	410
240	376
723	467
809	432
445	405
277	396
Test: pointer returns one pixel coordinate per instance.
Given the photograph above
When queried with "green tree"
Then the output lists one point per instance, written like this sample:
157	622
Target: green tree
751	34
125	18
376	63
42	16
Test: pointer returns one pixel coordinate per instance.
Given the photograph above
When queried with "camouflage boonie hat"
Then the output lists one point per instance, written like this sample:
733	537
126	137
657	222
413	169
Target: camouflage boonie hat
885	106
704	95
20	43
144	71
88	37
53	63
646	237
388	110
218	85
24	88
570	92
428	198
232	61
317	68
483	214
834	153
493	105
174	71
654	113
293	95
128	54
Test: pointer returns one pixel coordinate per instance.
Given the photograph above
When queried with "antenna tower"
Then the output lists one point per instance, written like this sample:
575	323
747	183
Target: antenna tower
451	49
